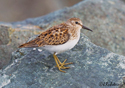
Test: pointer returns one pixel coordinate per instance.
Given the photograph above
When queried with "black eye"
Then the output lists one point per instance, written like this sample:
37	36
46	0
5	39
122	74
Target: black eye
76	22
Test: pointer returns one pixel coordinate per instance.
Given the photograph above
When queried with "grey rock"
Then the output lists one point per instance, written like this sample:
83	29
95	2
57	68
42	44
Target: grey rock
5	50
4	35
10	39
92	66
105	17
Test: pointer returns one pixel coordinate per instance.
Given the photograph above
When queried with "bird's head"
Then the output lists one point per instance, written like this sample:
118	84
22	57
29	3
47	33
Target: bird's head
77	23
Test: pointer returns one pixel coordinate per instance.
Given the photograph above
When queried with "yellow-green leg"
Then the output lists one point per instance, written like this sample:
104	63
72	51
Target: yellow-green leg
60	65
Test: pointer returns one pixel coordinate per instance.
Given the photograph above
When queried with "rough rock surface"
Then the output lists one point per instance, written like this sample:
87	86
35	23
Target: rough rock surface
10	39
93	67
105	17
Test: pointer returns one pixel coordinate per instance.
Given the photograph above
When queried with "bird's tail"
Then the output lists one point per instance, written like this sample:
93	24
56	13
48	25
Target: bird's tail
31	43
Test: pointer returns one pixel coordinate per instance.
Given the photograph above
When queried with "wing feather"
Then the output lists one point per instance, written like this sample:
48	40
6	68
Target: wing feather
54	36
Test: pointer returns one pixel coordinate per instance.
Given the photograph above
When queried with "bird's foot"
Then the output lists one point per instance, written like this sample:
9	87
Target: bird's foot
60	65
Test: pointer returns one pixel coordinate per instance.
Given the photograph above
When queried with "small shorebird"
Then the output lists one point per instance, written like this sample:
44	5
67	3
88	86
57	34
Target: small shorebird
58	39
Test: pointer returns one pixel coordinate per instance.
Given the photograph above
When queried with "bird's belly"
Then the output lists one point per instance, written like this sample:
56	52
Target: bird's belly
61	48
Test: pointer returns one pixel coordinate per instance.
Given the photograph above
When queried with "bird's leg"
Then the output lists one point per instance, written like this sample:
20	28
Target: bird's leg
59	64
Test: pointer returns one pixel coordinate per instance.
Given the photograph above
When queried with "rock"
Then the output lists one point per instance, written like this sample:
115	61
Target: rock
105	17
10	39
92	67
4	39
102	16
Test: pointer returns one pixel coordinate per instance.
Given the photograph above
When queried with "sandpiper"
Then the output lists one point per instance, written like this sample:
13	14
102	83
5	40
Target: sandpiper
58	39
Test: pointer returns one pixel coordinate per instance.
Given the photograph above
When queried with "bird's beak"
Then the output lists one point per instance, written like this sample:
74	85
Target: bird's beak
86	28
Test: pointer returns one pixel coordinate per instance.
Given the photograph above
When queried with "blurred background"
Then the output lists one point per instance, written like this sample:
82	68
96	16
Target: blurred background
18	10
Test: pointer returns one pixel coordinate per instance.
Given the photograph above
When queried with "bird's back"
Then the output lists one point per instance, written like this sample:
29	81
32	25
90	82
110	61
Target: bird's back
56	35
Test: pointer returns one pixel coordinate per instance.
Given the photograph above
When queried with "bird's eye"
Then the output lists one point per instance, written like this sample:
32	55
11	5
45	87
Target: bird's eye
76	22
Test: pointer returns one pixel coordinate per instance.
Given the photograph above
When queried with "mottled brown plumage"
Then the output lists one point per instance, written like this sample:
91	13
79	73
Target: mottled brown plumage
54	36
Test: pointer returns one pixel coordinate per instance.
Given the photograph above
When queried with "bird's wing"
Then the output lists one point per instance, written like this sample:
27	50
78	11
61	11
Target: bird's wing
54	36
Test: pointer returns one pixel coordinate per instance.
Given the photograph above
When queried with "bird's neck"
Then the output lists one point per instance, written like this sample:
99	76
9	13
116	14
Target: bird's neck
75	33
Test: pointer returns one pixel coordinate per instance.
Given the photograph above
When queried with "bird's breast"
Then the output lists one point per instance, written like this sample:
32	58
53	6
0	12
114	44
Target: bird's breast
61	48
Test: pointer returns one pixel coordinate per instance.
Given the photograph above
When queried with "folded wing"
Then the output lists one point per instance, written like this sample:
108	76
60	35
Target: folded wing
54	36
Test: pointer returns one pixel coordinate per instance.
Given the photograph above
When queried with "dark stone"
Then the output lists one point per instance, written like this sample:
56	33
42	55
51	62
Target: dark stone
105	17
93	66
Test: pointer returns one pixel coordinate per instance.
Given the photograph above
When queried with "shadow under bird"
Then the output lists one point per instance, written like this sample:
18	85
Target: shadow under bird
58	39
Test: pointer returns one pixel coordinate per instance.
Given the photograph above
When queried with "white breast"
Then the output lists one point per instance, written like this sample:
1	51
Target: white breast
61	48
